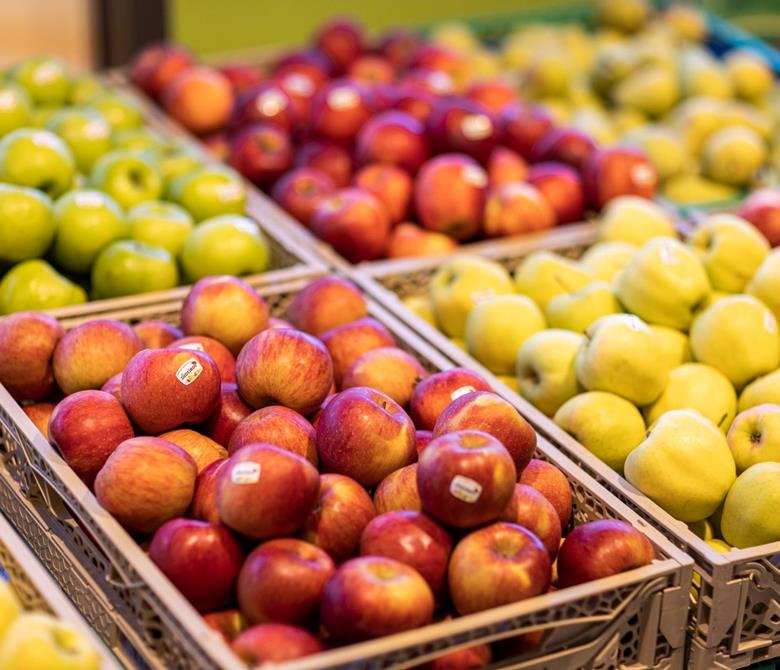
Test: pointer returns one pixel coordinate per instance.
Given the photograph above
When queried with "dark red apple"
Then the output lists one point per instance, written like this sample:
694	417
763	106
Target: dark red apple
561	186
423	439
412	99
157	65
266	103
342	41
300	190
243	76
522	126
332	159
615	171
274	643
571	146
433	394
394	138
231	410
262	153
460	125
339	109
326	303
280	426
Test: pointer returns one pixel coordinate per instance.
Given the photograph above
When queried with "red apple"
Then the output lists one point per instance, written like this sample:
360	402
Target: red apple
231	410
390	370
339	109
204	499
313	63
165	388
202	560
491	414
470	658
280	426
414	99
337	521
394	138
341	40
390	184
217	145
564	145
228	623
349	342
371	70
440	58
398	491
285	367
278	324
497	565
522	126
561	186
493	94
145	482
329	158
282	581
530	509
517	208
422	439
114	386
40	413
599	549
87	427
243	76
225	308
262	153
408	240
354	222
157	65
326	303
267	104
204	450
505	167
465	478
433	394
462	126
156	334
265	491
200	98
300	190
398	45
371	597
217	351
364	434
449	195
27	344
610	173
274	643
762	209
552	484
90	354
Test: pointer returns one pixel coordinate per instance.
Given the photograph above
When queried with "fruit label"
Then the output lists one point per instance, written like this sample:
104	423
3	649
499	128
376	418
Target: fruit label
463	390
476	126
245	473
465	489
189	371
475	176
192	346
342	98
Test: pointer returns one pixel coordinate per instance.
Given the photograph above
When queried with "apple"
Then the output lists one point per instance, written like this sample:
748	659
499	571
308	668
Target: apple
390	184
217	351
15	108
395	138
209	191
200	98
752	436
332	159
120	110
127	267
497	565
145	482
342	511
268	104
114	386
342	41
156	334
615	171
354	222
300	87
231	410
493	94
262	153
36	285
561	186
449	195
326	303
243	76
282	581
468	658
364	434
440	58
564	145
127	177
408	239
390	370
229	624
339	109
274	643
552	483
284	366
485	411
398	45
37	159
85	131
204	498
312	63
203	450
27	224
165	388
161	224
522	126
156	65
86	427
413	98
530	509
505	166
27	344
87	356
599	549
462	126
398	491
264	491
372	596
422	439
201	559
10	606
516	208
177	161
279	426
434	394
300	190
371	70
40	413
762	209
348	342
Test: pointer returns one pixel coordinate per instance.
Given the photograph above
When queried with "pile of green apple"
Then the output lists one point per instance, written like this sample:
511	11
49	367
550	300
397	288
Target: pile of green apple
661	357
94	204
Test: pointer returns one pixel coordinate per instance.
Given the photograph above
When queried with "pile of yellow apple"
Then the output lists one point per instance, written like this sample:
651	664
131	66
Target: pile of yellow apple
661	357
647	79
39	641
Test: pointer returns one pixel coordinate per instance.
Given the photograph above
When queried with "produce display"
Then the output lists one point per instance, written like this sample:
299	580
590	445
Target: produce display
307	483
93	204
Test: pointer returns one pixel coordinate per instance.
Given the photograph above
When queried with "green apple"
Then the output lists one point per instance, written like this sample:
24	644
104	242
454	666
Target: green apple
15	108
85	131
421	306
37	641
763	390
137	139
173	163
127	177
665	283
42	114
684	465
765	281
731	249
675	346
10	607
754	436
750	515
498	326
36	285
738	336
26	223
543	275
128	267
45	79
210	191
576	311
224	245
545	369
621	355
700	387
459	284
120	110
84	89
607	425
86	222
38	159
161	224
605	260
629	218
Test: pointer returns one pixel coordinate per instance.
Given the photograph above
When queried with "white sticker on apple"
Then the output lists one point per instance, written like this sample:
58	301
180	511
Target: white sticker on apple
193	346
463	390
245	473
342	98
465	489
475	176
476	126
189	371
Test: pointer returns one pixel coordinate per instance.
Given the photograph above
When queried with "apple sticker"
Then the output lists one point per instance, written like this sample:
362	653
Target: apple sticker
189	371
465	489
245	473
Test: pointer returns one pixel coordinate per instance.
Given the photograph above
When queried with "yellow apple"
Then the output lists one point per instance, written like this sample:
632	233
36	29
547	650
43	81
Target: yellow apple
750	515
760	391
675	347
10	608
543	275
763	285
605	260
578	310
631	219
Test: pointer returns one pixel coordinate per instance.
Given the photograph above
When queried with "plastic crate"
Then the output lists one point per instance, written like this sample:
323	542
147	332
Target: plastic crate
632	620
735	612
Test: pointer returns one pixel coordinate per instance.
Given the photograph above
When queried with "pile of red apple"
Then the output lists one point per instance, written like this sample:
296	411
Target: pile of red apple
245	450
387	149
